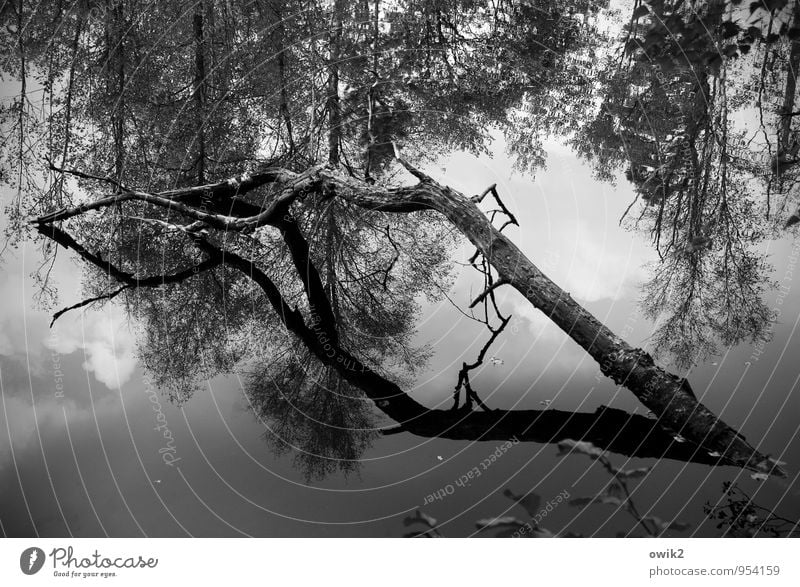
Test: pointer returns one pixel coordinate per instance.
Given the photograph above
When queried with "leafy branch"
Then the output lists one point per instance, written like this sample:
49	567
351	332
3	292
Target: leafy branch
618	492
741	517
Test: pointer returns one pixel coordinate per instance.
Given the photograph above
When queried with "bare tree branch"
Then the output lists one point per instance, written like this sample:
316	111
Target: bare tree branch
83	175
106	296
463	374
488	291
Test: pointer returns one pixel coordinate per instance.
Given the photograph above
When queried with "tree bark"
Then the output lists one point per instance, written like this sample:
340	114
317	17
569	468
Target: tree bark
116	49
333	105
280	40
790	92
200	88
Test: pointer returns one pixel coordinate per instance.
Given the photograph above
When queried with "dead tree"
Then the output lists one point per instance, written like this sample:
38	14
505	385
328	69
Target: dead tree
668	396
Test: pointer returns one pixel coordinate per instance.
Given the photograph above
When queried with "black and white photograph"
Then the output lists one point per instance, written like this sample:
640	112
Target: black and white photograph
398	269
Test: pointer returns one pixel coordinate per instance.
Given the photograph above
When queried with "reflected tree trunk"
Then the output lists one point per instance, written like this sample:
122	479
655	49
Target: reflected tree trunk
200	89
790	94
669	397
332	104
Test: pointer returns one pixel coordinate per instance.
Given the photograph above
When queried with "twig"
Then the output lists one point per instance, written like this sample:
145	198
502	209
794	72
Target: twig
488	291
84	175
410	168
492	189
463	374
479	199
107	296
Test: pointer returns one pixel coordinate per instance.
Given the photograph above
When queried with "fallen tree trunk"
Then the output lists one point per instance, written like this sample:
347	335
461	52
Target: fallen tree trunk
666	395
607	428
610	429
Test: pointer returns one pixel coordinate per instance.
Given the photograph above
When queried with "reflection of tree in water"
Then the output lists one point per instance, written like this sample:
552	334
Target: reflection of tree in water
248	202
310	411
372	273
710	188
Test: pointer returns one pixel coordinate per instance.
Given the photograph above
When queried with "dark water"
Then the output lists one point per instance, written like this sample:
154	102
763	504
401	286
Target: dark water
99	438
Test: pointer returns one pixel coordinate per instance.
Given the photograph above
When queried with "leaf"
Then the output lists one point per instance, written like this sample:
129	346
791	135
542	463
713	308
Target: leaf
580	502
713	62
658	522
421	517
530	501
541	533
504	522
609	500
771	5
587	448
602	498
663	526
634	473
730	29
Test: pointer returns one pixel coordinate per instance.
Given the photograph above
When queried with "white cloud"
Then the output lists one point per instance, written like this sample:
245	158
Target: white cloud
540	326
6	348
597	270
108	344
